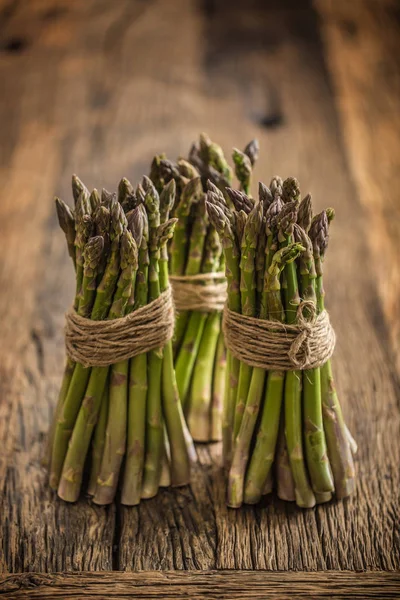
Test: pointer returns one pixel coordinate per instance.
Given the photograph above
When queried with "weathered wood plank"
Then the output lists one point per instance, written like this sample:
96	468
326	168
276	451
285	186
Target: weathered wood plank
362	48
97	88
203	585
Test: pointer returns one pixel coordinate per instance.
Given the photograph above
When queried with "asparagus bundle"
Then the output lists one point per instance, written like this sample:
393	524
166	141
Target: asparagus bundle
129	412
195	252
282	426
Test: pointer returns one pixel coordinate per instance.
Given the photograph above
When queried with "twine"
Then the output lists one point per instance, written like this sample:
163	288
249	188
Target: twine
103	343
278	346
205	292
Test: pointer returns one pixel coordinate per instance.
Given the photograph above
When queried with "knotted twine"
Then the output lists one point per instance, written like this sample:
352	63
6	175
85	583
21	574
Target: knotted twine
275	346
103	343
205	292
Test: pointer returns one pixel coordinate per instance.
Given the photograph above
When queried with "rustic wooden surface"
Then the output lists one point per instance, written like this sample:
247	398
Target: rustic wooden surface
96	87
197	585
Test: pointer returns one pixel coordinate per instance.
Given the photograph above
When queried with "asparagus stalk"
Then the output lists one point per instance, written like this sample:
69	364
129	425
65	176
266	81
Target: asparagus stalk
199	409
218	388
71	381
284	475
246	416
223	224
266	199
165	477
94	200
99	440
191	194
71	477
240	200
213	157
276	187
173	414
290	189
252	150
66	221
180	442
314	436
102	224
249	245
80	377
193	265
352	441
269	484
339	451
186	169
293	405
78	189
92	256
108	199
180	249
264	450
154	424
138	388
83	231
125	193
243	169
156	174
190	345
114	449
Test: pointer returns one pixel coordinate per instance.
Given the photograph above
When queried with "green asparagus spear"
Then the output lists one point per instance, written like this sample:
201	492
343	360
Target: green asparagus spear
293	404
92	257
339	452
99	440
285	487
154	422
193	266
191	194
190	345
79	189
94	200
125	192
264	450
201	391
240	200
213	156
314	436
290	190
66	221
138	387
252	151
81	375
243	169
180	442
248	300
114	449
222	224
218	388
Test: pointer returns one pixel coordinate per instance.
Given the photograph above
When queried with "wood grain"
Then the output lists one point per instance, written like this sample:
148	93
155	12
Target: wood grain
209	585
96	88
362	53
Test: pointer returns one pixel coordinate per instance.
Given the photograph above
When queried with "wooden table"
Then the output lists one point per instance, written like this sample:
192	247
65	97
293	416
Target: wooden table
97	87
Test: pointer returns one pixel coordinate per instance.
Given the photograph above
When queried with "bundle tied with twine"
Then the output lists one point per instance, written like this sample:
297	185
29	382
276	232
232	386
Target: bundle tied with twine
276	346
204	292
103	343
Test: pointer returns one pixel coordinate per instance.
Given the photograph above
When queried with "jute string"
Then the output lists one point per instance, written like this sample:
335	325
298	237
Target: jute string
103	343
205	292
277	346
